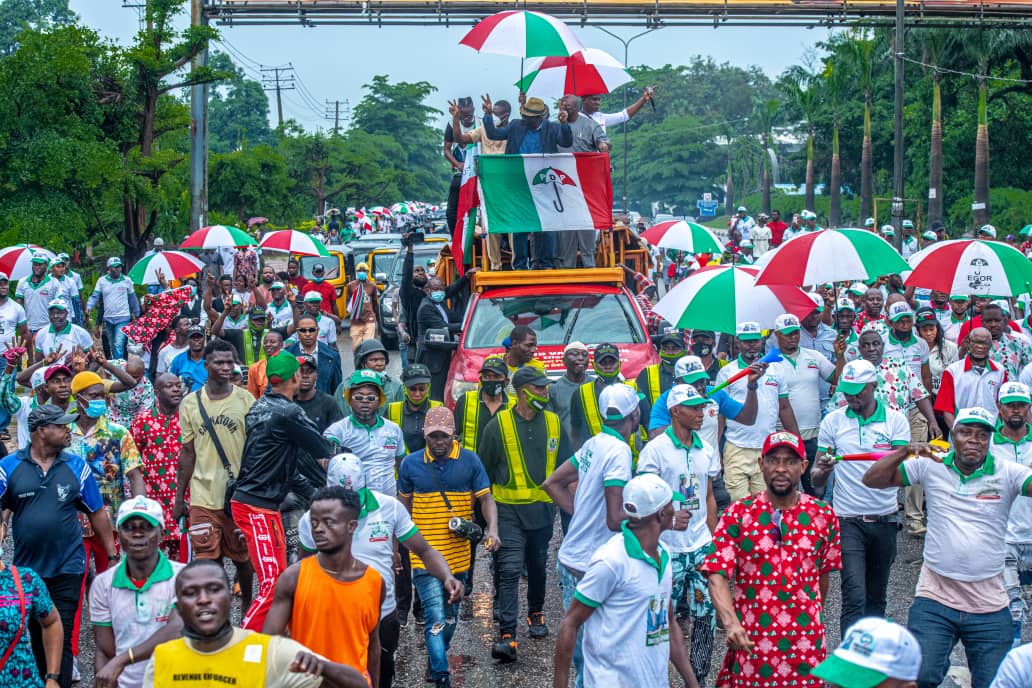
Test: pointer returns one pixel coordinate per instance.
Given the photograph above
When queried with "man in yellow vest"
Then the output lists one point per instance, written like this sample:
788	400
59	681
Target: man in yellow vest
585	417
520	448
213	654
410	412
659	377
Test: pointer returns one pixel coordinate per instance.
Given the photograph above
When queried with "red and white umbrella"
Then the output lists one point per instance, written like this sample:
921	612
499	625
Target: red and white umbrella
520	33
971	266
364	223
584	73
16	261
217	236
293	241
830	255
172	264
380	210
681	235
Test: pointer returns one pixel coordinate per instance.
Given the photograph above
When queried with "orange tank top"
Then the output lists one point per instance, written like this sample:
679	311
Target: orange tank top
334	618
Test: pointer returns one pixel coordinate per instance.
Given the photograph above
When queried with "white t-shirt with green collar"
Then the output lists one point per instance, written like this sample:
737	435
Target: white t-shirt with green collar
627	637
47	339
1019	525
771	387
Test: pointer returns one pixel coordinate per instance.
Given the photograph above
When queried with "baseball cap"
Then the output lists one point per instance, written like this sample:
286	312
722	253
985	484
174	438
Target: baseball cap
283	365
869	222
257	312
438	419
908	224
925	316
86	378
529	375
808	215
784	438
748	330
1003	305
673	336
306	359
645	494
39	258
1014	391
140	507
49	414
987	229
845	303
194	330
495	364
235	301
276	285
818	301
741	209
858	288
158	241
237	370
313	297
415	374
364	376
900	309
37	378
319	267
114	262
685	395
873	650
57	303
855	375
975	415
929	235
786	323
4	277
959	297
604	350
888	230
304	533
689	369
346	470
575	346
54	370
617	401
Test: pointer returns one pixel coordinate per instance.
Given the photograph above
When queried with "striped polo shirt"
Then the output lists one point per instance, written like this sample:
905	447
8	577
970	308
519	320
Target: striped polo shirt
461	477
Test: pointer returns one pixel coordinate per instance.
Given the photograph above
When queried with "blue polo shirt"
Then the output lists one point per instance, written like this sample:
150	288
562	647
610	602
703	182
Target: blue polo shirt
726	404
47	534
192	372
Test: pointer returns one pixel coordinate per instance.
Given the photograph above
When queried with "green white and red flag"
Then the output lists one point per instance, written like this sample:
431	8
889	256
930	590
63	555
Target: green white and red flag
466	216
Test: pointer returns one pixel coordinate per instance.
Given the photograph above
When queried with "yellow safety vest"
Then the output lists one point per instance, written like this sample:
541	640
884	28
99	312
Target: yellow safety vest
593	415
243	664
396	409
471	418
520	489
654	384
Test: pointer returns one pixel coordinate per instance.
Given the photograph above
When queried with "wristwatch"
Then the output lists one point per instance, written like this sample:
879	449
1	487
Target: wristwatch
52	677
753	386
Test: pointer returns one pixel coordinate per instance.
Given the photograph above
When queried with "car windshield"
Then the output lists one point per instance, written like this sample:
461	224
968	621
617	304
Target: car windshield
421	254
557	319
331	265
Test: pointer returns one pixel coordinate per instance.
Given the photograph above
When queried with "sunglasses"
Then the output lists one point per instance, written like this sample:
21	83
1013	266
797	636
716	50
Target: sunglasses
307	330
365	397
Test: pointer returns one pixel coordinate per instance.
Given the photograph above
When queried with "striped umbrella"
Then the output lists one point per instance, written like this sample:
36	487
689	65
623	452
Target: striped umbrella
520	33
584	73
380	210
217	236
293	241
401	208
719	297
16	260
830	255
683	236
971	266
172	264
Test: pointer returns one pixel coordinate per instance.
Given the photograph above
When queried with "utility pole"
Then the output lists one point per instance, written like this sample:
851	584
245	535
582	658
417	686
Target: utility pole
279	84
334	108
198	132
897	157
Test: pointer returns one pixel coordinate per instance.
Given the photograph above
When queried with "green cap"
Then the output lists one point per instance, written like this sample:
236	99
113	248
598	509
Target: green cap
283	365
364	376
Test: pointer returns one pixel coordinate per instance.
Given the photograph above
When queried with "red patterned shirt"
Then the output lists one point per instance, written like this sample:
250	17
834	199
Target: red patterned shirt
775	559
862	319
157	437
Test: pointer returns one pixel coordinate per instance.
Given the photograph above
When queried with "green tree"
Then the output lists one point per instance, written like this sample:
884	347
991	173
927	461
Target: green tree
765	113
248	182
803	89
834	87
36	15
861	50
238	111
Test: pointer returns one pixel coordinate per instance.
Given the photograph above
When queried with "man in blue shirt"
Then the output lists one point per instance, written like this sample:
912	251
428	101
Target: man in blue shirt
45	488
189	366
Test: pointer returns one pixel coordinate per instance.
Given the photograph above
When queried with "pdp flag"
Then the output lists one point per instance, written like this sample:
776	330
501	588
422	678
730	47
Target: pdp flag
545	193
466	217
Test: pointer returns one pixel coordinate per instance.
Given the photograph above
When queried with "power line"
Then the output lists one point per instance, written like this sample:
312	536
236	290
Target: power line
279	84
946	70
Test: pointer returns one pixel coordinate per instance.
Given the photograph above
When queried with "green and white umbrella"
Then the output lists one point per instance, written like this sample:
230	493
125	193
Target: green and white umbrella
172	264
217	236
719	297
973	267
830	255
682	235
1026	230
294	242
520	33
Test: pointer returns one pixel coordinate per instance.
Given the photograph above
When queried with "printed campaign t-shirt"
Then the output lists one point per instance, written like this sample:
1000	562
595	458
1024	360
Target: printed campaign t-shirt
208	484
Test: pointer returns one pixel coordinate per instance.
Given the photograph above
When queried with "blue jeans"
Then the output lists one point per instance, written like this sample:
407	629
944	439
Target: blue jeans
440	618
568	585
545	254
116	338
986	638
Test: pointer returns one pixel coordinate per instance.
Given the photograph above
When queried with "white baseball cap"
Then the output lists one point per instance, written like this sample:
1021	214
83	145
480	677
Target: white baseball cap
158	241
617	401
900	309
908	224
645	494
845	304
575	346
929	235
37	378
987	229
1014	391
869	222
749	330
818	301
684	395
1003	305
855	375
888	230
786	323
142	507
858	288
873	651
304	532
689	369
975	415
313	297
346	470
114	262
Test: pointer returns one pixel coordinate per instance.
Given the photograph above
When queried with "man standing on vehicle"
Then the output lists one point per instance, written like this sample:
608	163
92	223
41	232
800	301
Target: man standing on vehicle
591	105
363	299
588	137
520	448
455	153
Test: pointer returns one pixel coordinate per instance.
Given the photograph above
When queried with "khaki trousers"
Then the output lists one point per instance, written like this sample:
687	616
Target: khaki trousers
742	475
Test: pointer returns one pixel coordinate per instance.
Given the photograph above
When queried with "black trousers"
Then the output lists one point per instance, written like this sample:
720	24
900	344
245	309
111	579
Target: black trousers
519	547
390	632
64	591
868	550
403	584
811	455
452	213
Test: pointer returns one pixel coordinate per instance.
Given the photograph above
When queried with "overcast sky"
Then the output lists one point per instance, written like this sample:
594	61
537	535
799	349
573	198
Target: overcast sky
334	62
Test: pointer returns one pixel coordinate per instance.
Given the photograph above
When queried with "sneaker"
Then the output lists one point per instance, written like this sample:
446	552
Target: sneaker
403	620
505	649
428	675
538	629
443	683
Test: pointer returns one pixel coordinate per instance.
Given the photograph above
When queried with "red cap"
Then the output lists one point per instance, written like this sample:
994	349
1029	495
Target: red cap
783	438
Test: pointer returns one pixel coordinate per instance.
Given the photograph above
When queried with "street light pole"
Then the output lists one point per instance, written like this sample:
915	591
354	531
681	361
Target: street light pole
626	48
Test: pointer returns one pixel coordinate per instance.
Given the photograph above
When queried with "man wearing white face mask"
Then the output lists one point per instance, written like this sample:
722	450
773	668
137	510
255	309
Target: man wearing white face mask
363	305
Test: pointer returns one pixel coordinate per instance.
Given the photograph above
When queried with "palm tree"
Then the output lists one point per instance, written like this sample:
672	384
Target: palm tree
834	85
765	112
803	89
861	55
933	45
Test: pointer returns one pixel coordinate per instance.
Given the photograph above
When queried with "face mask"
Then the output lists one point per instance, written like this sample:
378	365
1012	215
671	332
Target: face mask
317	280
535	402
361	275
670	359
496	120
437	296
96	408
193	291
701	349
492	388
608	376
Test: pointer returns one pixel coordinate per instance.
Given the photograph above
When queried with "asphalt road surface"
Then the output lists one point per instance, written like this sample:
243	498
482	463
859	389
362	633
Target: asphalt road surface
470	655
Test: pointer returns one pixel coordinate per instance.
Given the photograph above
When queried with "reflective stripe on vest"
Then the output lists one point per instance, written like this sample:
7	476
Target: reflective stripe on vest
243	664
520	489
654	384
593	416
471	418
395	410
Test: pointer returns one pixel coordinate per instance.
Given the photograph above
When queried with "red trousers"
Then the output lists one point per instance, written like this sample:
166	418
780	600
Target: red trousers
267	547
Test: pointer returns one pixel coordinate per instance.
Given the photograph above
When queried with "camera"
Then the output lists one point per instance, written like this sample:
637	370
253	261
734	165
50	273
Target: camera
467	530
